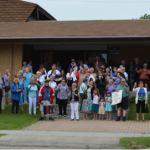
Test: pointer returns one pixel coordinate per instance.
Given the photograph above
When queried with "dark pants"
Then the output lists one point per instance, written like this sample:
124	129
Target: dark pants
62	104
15	104
81	95
0	100
142	105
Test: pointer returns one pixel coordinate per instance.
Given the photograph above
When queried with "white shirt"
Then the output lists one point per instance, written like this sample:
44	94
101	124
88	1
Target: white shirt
42	80
57	72
85	66
72	75
91	76
95	99
44	75
126	76
52	84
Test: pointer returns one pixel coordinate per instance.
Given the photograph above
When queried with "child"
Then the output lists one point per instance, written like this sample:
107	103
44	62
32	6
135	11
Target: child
101	111
95	103
108	107
85	108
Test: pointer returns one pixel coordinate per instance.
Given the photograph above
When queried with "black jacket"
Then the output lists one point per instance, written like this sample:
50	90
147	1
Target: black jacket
92	90
101	82
76	98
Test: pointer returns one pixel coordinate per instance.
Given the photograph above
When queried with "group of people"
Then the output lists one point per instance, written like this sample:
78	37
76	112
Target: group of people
89	88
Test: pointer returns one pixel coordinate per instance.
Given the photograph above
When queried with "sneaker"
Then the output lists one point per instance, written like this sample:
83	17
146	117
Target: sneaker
51	119
72	120
124	119
60	116
118	119
41	119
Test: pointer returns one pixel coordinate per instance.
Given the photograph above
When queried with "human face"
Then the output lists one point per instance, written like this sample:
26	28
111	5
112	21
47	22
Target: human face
16	82
102	100
95	91
71	70
118	75
99	72
91	83
38	75
145	66
46	83
136	61
41	71
54	67
82	71
115	70
27	70
18	76
110	82
32	81
52	79
141	85
108	95
107	70
30	62
63	82
73	87
123	81
85	82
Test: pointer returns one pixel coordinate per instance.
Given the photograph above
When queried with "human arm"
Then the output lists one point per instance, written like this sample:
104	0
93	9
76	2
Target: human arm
49	73
127	87
84	102
68	76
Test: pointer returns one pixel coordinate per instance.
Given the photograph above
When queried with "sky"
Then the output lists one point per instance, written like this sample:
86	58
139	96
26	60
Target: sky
95	9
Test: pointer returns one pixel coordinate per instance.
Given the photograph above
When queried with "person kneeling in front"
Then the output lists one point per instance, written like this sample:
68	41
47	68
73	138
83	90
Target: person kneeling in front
46	96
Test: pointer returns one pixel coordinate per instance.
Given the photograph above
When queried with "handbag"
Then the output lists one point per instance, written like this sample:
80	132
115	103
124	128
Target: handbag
146	109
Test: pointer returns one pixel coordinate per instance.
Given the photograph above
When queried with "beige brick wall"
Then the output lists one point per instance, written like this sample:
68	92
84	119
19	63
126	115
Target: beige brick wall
10	58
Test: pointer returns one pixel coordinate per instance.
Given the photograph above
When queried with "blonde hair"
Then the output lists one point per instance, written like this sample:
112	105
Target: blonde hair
16	79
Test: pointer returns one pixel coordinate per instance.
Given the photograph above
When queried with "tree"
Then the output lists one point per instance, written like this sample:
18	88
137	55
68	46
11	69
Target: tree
145	16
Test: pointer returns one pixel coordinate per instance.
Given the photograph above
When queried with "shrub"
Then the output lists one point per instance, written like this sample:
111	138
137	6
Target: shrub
132	99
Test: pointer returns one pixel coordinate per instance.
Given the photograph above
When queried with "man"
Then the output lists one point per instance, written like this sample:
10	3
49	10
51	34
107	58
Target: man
120	70
30	66
72	65
53	68
125	74
1	90
124	103
46	96
98	62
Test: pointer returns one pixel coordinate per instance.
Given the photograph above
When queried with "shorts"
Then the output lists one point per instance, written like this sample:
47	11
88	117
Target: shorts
6	94
42	105
144	80
124	103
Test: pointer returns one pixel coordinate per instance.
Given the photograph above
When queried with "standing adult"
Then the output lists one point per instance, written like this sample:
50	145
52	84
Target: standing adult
7	85
58	67
27	75
72	64
24	65
125	73
43	73
1	91
141	99
124	102
144	72
46	96
40	78
32	88
83	89
98	63
53	68
135	68
16	90
100	82
82	76
131	75
117	79
62	74
62	97
30	66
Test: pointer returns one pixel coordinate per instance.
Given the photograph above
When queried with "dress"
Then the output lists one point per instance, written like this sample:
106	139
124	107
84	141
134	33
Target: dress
85	108
21	97
89	98
108	107
101	110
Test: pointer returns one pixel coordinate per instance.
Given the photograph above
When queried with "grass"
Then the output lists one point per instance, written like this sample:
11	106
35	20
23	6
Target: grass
135	142
132	113
15	122
2	135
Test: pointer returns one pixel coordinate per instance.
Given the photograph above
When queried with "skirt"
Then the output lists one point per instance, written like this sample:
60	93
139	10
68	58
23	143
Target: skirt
90	103
101	111
95	108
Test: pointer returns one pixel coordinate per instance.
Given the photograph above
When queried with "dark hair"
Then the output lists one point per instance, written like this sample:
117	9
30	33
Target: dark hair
84	80
119	73
85	96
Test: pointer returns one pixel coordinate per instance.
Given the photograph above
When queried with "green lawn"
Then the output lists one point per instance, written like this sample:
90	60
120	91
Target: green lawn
135	142
132	113
14	122
2	135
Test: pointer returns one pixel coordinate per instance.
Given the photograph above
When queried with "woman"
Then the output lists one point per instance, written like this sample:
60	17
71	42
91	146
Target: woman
62	74
144	75
131	75
53	85
141	99
32	96
107	77
82	76
136	67
74	102
16	90
24	65
40	78
27	75
58	67
83	89
100	82
43	73
21	94
62	97
7	85
53	73
117	79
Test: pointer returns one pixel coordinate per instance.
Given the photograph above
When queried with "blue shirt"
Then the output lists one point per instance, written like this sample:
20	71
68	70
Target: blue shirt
27	79
141	95
62	93
32	91
47	93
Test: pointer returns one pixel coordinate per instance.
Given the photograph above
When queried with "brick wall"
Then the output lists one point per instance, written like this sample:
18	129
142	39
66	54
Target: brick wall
10	58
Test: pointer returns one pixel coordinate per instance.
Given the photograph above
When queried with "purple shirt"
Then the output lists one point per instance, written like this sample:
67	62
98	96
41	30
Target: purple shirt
6	80
110	88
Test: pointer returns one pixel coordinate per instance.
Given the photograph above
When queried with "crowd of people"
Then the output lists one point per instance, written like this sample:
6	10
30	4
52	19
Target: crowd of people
90	88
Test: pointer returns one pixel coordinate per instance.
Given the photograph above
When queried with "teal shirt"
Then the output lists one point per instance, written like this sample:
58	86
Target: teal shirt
32	91
83	88
123	88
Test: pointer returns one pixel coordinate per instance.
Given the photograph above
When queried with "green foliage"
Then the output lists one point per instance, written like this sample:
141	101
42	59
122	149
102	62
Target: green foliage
14	122
145	16
2	135
132	99
135	142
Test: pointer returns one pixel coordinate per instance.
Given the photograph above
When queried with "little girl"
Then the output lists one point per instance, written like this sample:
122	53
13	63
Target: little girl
85	107
101	111
95	103
108	107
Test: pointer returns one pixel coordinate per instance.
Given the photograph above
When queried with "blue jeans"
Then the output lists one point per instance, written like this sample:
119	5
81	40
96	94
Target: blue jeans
26	94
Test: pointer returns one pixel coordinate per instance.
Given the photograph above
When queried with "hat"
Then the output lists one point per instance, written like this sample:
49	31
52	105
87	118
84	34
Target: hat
73	60
46	81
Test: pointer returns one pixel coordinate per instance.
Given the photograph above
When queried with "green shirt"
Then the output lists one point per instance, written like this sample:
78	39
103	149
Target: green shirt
123	88
83	88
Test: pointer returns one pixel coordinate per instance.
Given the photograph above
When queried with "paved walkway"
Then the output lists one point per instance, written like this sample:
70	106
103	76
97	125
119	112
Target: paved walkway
92	126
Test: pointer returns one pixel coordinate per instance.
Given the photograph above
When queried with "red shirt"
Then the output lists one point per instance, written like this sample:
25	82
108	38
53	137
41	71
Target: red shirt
143	75
77	77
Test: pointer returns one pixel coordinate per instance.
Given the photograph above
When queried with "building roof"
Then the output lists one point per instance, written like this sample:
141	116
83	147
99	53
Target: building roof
76	28
16	10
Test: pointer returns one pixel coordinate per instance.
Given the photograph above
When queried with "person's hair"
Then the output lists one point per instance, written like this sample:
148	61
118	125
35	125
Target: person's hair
7	71
119	69
32	79
100	70
97	91
17	74
16	79
24	63
93	83
63	76
123	68
82	70
115	68
52	77
123	61
141	82
74	84
145	64
108	93
137	59
63	79
85	96
102	98
38	72
85	80
110	80
21	71
119	73
27	68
